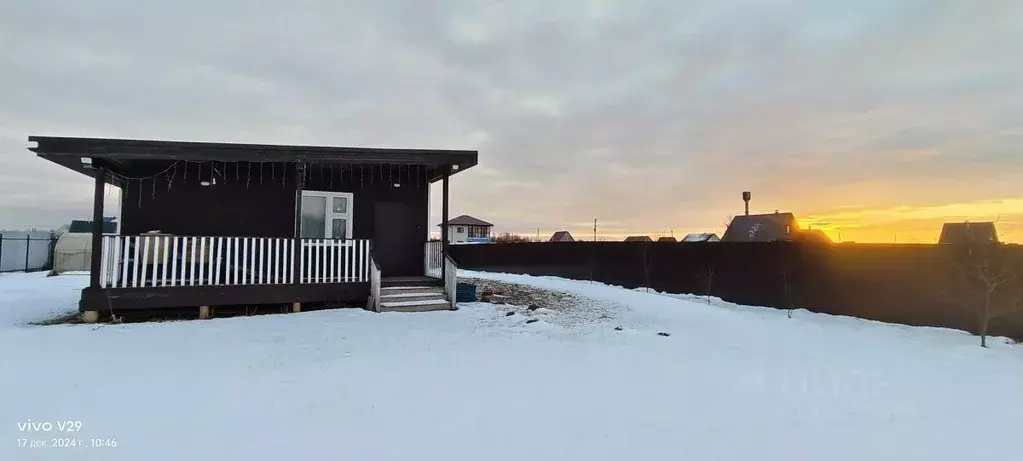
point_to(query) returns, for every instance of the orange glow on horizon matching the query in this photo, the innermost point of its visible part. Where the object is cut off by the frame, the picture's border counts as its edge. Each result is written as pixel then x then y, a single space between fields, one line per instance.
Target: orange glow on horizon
pixel 894 224
pixel 901 224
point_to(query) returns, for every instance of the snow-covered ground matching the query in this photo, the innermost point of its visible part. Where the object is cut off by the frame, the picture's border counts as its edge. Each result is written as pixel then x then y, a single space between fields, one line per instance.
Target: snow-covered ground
pixel 730 383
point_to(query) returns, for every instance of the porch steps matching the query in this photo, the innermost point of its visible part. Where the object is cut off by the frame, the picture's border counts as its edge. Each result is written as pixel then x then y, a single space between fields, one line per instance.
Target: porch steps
pixel 397 289
pixel 412 299
pixel 409 296
pixel 410 282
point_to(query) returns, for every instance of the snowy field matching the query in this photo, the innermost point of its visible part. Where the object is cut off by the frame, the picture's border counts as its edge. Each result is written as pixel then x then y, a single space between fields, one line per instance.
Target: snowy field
pixel 729 383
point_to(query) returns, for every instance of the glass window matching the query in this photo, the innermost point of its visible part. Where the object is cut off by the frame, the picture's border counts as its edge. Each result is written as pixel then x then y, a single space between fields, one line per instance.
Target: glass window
pixel 339 228
pixel 314 216
pixel 459 229
pixel 326 215
pixel 340 204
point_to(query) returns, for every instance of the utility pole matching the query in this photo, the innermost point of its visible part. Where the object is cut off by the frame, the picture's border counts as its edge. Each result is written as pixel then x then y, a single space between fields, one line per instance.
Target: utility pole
pixel 594 229
pixel 537 234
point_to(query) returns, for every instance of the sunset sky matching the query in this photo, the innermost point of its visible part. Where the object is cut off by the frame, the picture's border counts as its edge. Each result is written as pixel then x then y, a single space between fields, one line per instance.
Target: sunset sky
pixel 874 120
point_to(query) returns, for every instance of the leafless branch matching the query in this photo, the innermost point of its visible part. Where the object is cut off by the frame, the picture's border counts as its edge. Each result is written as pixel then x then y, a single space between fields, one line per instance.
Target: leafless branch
pixel 986 274
pixel 707 280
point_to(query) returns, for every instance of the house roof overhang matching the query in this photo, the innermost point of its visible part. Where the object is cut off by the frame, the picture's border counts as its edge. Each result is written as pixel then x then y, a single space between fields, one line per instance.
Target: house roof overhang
pixel 121 155
pixel 466 220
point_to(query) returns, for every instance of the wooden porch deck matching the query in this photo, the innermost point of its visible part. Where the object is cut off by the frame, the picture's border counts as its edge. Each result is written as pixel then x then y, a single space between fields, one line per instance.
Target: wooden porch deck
pixel 190 272
pixel 138 298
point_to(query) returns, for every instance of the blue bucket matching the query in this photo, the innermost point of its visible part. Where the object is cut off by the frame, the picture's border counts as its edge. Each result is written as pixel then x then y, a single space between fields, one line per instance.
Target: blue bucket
pixel 465 293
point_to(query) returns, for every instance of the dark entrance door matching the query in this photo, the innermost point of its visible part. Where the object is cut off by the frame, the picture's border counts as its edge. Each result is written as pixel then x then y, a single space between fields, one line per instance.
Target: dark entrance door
pixel 397 240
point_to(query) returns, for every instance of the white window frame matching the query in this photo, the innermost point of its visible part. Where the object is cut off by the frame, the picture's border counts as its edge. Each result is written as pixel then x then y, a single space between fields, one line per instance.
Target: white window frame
pixel 329 213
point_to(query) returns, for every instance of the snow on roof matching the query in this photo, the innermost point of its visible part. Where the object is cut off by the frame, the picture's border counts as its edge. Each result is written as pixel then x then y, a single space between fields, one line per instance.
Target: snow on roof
pixel 768 227
pixel 701 237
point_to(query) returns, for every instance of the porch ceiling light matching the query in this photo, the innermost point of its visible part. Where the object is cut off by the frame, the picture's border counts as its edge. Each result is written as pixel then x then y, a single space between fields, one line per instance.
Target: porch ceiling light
pixel 87 162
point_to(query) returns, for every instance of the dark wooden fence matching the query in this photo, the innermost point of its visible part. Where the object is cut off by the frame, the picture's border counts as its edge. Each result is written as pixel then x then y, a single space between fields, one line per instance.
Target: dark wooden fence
pixel 907 284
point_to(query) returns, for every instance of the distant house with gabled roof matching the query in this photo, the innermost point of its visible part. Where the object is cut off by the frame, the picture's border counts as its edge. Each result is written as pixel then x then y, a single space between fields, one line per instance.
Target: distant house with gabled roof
pixel 467 229
pixel 638 238
pixel 667 240
pixel 771 227
pixel 561 236
pixel 968 232
pixel 813 235
pixel 701 237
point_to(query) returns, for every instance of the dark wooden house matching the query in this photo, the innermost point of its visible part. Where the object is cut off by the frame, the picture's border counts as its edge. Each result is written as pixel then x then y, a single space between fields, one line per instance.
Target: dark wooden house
pixel 561 237
pixel 813 236
pixel 214 224
pixel 770 227
pixel 968 233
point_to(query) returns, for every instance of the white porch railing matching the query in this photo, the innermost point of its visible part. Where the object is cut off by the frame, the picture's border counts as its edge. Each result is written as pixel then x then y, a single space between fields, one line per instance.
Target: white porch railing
pixel 451 281
pixel 433 259
pixel 162 260
pixel 439 265
pixel 374 285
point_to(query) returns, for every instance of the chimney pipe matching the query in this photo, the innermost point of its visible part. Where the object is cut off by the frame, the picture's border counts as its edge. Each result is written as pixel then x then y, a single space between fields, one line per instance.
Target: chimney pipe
pixel 745 198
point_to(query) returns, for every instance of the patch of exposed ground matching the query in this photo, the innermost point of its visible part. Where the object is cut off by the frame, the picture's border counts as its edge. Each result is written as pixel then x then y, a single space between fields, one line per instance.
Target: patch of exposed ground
pixel 532 303
pixel 70 318
pixel 566 309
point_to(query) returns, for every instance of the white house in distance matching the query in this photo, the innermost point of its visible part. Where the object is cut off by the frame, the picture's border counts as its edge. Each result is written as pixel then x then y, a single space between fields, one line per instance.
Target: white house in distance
pixel 702 237
pixel 467 229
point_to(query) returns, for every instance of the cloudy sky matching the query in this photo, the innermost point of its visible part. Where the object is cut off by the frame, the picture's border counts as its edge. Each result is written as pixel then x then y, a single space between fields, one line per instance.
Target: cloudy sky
pixel 876 119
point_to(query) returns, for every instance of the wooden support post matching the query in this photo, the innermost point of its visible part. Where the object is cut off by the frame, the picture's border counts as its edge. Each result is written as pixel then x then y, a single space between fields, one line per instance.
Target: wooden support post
pixel 90 316
pixel 444 221
pixel 97 227
pixel 296 307
pixel 295 255
pixel 204 312
pixel 28 248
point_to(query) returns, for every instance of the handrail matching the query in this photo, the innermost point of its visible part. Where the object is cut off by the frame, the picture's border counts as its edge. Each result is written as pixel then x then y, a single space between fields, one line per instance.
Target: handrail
pixel 154 260
pixel 374 283
pixel 451 280
pixel 149 234
pixel 432 260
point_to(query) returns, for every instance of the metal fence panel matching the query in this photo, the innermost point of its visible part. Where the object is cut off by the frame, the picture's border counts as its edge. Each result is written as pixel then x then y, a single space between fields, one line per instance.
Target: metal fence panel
pixel 25 250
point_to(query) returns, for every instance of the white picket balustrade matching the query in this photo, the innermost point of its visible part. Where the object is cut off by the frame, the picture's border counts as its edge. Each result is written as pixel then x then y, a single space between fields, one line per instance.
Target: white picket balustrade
pixel 138 261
